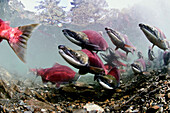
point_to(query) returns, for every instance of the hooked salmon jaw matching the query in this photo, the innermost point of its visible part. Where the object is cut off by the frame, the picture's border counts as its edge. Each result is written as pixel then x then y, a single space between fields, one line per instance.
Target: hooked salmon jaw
pixel 150 32
pixel 136 68
pixel 106 86
pixel 71 56
pixel 70 35
pixel 106 81
pixel 114 35
pixel 76 37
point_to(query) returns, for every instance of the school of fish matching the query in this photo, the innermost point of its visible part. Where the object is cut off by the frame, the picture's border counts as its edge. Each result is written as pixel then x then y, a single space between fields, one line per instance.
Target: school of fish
pixel 86 59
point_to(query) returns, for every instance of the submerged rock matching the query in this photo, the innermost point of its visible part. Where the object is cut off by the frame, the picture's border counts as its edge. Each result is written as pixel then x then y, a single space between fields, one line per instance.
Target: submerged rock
pixel 79 90
pixel 36 104
pixel 90 107
pixel 144 93
pixel 80 111
pixel 4 74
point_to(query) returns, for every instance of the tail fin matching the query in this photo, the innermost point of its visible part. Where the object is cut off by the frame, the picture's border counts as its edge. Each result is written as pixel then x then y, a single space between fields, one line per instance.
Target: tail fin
pixel 33 71
pixel 145 73
pixel 104 57
pixel 119 63
pixel 21 45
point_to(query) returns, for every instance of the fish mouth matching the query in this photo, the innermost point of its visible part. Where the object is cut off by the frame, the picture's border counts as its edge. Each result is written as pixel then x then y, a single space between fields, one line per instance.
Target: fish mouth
pixel 115 36
pixel 148 30
pixel 106 83
pixel 76 37
pixel 136 68
pixel 73 57
pixel 69 32
pixel 115 33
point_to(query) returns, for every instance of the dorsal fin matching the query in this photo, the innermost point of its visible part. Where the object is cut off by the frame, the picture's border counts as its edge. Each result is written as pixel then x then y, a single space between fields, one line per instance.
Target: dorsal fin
pixel 56 65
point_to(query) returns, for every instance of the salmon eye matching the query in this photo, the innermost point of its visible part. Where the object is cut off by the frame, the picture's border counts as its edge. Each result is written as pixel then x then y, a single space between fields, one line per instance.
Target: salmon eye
pixel 76 54
pixel 110 81
pixel 79 35
pixel 86 39
pixel 82 59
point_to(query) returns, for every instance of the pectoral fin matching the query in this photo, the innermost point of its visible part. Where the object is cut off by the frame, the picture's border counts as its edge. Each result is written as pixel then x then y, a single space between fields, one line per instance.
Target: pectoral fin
pixel 97 69
pixel 92 46
pixel 152 46
pixel 83 71
pixel 116 48
pixel 96 76
pixel 130 46
pixel 127 53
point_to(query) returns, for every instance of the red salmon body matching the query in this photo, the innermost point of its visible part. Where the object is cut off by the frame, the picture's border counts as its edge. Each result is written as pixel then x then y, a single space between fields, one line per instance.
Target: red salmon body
pixel 57 74
pixel 87 39
pixel 96 39
pixel 94 59
pixel 9 33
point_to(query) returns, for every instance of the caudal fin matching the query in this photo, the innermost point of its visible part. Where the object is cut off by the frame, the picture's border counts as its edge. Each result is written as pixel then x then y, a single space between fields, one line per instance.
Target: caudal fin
pixel 33 71
pixel 20 46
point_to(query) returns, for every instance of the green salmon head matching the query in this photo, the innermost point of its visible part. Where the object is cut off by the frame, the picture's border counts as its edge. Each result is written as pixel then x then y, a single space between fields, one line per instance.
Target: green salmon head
pixel 73 57
pixel 77 38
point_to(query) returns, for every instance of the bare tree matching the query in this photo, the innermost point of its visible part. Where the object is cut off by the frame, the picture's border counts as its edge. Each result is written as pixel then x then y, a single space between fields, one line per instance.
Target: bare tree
pixel 87 11
pixel 50 12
